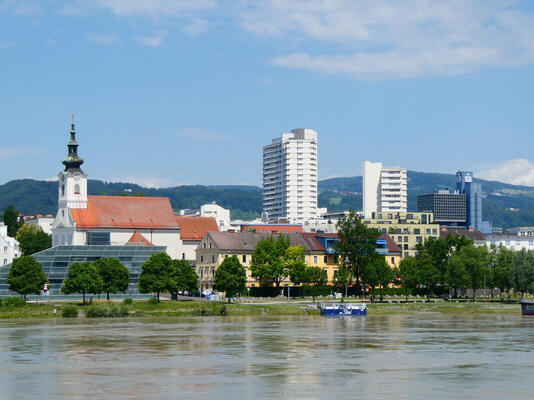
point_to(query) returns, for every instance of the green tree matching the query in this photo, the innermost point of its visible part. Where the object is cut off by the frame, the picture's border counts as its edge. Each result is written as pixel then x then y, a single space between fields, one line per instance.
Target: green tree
pixel 268 260
pixel 11 219
pixel 185 275
pixel 379 274
pixel 357 244
pixel 342 279
pixel 407 274
pixel 115 275
pixel 296 264
pixel 230 277
pixel 501 269
pixel 522 274
pixel 26 276
pixel 456 274
pixel 32 239
pixel 157 275
pixel 83 278
pixel 316 277
pixel 474 261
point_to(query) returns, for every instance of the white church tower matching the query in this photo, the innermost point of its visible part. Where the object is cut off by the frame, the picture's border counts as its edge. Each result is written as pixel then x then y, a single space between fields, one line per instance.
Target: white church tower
pixel 72 193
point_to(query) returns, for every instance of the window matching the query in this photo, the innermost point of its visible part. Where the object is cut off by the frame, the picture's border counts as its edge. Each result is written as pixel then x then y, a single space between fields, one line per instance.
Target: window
pixel 213 258
pixel 393 260
pixel 419 239
pixel 201 259
pixel 315 259
pixel 183 256
pixel 63 190
pixel 244 258
pixel 405 238
pixel 5 261
pixel 76 189
pixel 417 231
pixel 204 245
pixel 428 231
pixel 5 248
pixel 210 245
pixel 405 247
pixel 325 259
pixel 336 259
pixel 98 238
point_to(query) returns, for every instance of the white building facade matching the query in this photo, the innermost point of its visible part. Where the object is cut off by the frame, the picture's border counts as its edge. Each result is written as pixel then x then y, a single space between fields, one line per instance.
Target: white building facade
pixel 290 177
pixel 9 247
pixel 384 189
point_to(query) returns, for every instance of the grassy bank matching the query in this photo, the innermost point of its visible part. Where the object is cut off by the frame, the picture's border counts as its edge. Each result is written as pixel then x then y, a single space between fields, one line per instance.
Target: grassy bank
pixel 204 308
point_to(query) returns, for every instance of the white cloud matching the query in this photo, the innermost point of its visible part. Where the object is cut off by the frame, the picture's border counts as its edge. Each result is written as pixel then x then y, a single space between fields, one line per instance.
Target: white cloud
pixel 102 38
pixel 515 172
pixel 145 181
pixel 8 152
pixel 155 8
pixel 152 41
pixel 398 39
pixel 202 134
pixel 196 27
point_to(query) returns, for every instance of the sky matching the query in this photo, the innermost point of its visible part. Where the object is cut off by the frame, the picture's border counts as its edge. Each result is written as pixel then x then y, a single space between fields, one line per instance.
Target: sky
pixel 171 92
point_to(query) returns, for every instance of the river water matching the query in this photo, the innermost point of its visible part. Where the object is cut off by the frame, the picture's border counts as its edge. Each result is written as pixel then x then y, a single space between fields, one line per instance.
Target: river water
pixel 407 356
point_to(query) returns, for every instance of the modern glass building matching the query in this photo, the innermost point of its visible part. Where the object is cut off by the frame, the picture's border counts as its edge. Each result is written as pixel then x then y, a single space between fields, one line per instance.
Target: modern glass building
pixel 473 192
pixel 57 260
pixel 449 209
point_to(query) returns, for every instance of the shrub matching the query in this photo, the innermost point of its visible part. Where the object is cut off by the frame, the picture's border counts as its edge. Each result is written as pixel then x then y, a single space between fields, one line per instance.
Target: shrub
pixel 127 300
pixel 70 311
pixel 153 300
pixel 107 310
pixel 96 311
pixel 13 302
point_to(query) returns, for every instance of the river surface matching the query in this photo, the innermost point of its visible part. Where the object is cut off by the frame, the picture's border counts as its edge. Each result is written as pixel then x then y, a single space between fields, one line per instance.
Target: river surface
pixel 408 356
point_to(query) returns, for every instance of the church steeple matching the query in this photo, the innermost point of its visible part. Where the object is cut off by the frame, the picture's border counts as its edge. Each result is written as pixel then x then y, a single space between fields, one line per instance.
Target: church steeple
pixel 72 162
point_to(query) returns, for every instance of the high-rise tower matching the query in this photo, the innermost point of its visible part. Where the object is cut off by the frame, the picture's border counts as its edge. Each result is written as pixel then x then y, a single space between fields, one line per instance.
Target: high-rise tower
pixel 384 189
pixel 290 177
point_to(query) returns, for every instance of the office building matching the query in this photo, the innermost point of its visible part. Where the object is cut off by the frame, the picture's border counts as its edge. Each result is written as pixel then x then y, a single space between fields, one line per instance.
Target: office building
pixel 9 246
pixel 449 208
pixel 473 192
pixel 384 189
pixel 290 177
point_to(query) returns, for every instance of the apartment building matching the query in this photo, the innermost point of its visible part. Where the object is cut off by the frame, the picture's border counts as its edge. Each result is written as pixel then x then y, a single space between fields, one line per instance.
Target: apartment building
pixel 290 177
pixel 384 189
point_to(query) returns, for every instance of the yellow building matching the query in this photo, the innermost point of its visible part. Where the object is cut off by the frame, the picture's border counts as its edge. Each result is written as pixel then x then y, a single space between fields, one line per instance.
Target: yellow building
pixel 405 228
pixel 318 252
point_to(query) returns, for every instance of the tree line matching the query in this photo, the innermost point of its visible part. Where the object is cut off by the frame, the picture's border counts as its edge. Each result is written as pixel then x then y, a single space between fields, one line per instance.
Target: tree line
pixel 159 274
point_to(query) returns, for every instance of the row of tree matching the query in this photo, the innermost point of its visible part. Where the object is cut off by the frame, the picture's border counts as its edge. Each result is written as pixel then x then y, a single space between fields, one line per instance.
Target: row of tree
pixel 455 262
pixel 160 273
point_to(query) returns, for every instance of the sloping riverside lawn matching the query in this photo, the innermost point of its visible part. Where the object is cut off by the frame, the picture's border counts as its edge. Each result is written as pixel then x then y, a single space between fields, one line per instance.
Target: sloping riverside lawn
pixel 205 308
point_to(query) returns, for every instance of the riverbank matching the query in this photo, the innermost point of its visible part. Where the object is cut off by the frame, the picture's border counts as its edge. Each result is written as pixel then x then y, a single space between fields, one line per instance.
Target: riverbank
pixel 205 308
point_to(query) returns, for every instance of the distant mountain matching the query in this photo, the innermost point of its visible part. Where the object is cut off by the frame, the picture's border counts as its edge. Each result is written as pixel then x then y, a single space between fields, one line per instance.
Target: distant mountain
pixel 504 204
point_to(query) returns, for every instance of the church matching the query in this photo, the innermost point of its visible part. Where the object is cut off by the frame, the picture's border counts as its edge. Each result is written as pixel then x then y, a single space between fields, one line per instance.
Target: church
pixel 109 220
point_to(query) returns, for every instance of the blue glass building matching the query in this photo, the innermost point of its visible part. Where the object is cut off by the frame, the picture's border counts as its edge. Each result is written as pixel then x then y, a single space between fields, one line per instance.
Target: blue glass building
pixel 473 192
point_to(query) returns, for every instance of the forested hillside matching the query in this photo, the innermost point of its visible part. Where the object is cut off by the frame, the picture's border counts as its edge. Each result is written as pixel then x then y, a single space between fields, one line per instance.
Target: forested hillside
pixel 505 205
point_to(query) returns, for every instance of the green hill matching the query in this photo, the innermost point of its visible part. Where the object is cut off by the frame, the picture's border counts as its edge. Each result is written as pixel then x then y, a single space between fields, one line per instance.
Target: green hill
pixel 505 205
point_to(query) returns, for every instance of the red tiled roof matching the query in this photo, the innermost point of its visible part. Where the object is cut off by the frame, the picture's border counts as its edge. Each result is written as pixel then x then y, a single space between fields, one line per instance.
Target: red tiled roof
pixel 194 228
pixel 125 212
pixel 392 246
pixel 137 238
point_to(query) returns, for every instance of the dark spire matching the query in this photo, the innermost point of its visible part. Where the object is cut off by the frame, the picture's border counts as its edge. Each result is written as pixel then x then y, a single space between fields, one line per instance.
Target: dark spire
pixel 72 162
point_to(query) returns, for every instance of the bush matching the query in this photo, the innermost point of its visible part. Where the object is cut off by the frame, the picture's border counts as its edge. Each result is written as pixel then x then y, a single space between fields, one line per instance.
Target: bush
pixel 107 310
pixel 13 302
pixel 70 311
pixel 153 300
pixel 127 300
pixel 96 311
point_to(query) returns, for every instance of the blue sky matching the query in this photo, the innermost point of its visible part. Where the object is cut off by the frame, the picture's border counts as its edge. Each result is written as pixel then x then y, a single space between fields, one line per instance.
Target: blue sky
pixel 170 92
